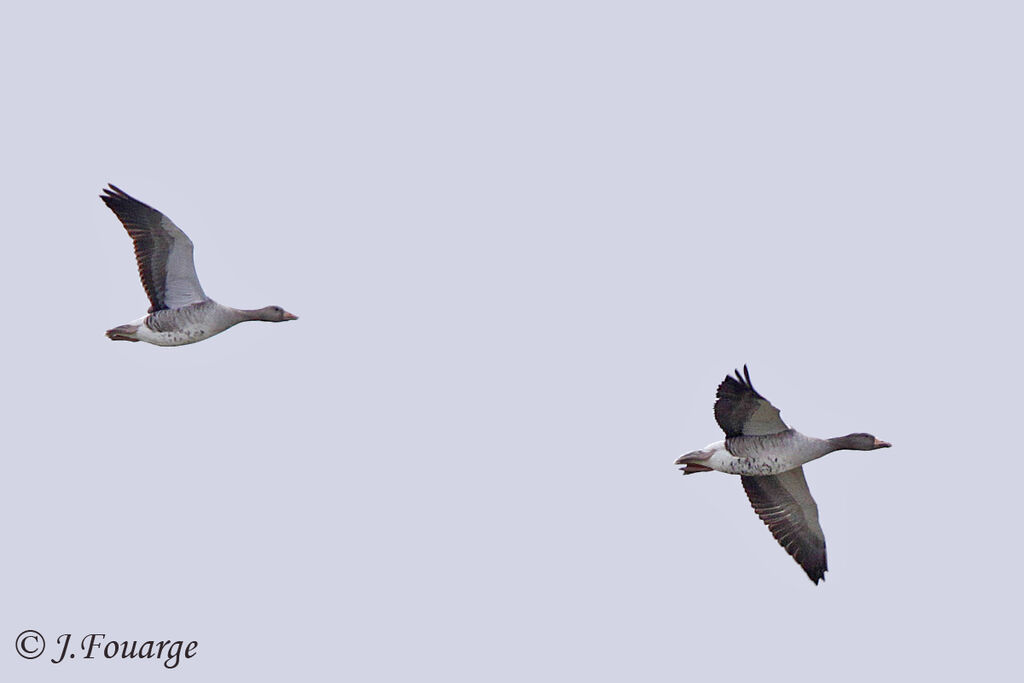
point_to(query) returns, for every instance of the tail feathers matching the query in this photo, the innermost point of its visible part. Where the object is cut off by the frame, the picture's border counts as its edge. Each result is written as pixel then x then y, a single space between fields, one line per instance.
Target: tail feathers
pixel 124 333
pixel 692 462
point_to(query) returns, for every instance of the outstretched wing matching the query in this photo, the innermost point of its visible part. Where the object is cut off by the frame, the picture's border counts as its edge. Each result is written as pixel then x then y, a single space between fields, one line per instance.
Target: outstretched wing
pixel 741 411
pixel 784 503
pixel 162 250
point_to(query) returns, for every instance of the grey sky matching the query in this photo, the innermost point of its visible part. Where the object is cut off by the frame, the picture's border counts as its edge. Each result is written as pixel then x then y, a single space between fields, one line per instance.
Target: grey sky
pixel 525 245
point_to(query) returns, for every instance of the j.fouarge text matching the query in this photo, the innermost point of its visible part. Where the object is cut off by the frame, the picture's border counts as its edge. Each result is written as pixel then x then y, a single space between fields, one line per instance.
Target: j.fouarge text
pixel 94 645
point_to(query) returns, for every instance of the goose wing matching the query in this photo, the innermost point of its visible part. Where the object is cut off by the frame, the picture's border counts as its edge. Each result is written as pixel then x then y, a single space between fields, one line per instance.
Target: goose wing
pixel 784 503
pixel 162 250
pixel 741 411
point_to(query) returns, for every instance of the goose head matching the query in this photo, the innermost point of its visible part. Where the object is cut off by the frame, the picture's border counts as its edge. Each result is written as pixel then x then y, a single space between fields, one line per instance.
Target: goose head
pixel 859 442
pixel 274 314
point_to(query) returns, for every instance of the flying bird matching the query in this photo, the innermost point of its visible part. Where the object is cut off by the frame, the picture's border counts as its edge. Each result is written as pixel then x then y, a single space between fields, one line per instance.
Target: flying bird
pixel 769 458
pixel 180 312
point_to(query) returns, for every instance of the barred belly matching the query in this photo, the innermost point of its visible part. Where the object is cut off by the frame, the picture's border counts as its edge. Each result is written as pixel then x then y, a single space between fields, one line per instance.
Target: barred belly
pixel 770 453
pixel 180 326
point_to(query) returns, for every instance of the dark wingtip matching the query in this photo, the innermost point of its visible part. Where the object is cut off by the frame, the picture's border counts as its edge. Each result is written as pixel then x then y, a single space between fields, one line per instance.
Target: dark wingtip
pixel 112 191
pixel 743 378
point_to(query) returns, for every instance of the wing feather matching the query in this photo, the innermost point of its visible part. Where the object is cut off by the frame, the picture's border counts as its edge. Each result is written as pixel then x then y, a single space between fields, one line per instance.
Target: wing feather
pixel 741 411
pixel 163 252
pixel 784 504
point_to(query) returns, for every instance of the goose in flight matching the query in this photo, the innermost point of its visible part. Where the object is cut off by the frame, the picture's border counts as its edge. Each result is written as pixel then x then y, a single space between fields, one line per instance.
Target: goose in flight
pixel 180 312
pixel 769 458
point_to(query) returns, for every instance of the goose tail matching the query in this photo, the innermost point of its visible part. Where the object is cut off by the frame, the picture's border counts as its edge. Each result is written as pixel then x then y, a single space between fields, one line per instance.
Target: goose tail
pixel 692 462
pixel 124 333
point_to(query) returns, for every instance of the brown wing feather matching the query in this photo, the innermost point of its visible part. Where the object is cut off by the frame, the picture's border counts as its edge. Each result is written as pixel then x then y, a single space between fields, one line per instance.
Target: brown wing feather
pixel 152 244
pixel 741 411
pixel 162 251
pixel 784 504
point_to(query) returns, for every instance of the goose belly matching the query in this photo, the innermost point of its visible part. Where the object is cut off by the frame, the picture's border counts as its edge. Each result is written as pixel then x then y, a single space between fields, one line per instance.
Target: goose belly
pixel 175 338
pixel 757 467
pixel 762 463
pixel 164 328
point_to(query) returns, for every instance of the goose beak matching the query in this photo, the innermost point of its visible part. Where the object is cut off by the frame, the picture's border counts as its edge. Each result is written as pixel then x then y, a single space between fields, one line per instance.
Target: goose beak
pixel 882 444
pixel 289 316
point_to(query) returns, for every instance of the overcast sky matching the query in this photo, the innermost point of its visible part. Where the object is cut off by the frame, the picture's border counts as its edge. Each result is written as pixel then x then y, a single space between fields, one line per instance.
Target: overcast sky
pixel 525 244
